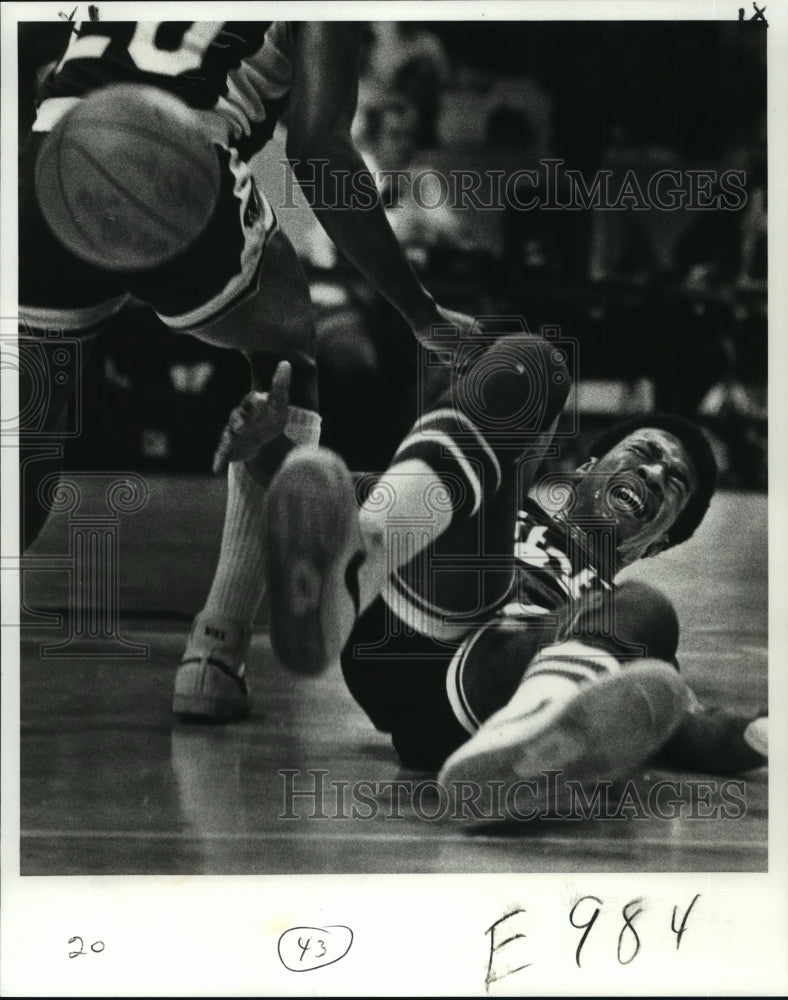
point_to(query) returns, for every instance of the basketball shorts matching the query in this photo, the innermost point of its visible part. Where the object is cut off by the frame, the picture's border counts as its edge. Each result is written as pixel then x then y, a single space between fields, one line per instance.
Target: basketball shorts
pixel 429 695
pixel 58 290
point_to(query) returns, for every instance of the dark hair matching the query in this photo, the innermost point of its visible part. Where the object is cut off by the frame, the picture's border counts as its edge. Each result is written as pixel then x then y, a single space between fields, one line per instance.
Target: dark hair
pixel 699 450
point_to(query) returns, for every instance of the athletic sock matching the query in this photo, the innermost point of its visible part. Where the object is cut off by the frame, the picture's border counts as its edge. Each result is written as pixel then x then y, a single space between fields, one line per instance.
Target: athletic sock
pixel 303 426
pixel 237 587
pixel 239 582
pixel 554 676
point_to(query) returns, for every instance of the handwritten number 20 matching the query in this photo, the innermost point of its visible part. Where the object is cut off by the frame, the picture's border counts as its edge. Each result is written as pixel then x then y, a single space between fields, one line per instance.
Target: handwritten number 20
pixel 97 947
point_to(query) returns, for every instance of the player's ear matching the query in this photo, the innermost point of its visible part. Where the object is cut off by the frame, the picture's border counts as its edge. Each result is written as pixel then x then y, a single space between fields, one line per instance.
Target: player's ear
pixel 587 466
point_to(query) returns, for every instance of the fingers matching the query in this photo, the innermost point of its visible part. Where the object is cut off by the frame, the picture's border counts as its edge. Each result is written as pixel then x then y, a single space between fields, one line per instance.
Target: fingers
pixel 236 430
pixel 280 385
pixel 248 405
pixel 257 420
pixel 221 458
pixel 239 418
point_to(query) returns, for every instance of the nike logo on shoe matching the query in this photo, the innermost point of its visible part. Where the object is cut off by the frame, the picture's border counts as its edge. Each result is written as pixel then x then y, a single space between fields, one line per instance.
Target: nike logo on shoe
pixel 215 633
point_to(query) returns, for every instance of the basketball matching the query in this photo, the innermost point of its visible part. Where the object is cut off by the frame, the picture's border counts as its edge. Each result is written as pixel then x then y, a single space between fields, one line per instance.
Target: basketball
pixel 127 179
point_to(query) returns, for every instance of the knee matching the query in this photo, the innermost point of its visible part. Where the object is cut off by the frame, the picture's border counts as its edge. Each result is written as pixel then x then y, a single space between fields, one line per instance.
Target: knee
pixel 493 664
pixel 519 383
pixel 644 616
pixel 544 364
pixel 635 619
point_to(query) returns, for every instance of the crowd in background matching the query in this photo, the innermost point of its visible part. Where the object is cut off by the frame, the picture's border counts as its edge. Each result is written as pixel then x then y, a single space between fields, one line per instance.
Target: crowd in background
pixel 668 309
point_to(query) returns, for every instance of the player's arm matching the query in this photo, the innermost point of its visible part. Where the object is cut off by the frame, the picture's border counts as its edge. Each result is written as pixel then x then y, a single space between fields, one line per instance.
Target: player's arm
pixel 322 106
pixel 716 741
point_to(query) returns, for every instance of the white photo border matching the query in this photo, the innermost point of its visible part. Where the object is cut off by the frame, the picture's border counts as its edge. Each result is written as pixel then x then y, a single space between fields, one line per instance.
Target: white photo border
pixel 413 935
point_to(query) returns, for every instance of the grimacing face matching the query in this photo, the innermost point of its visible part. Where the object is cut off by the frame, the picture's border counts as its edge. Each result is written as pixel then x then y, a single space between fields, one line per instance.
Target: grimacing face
pixel 643 483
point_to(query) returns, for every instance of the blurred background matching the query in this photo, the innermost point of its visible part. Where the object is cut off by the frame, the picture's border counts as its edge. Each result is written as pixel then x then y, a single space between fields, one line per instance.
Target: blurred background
pixel 668 308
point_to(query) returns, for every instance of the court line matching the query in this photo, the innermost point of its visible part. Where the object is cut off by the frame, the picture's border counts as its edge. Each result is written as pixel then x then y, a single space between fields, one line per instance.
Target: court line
pixel 402 837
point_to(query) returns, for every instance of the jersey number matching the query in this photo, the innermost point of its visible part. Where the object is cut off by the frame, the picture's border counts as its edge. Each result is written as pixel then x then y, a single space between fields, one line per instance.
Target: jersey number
pixel 143 51
pixel 533 551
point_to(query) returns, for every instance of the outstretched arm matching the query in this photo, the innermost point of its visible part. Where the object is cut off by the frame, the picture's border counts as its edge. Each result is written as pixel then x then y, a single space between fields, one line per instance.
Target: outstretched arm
pixel 322 106
pixel 717 741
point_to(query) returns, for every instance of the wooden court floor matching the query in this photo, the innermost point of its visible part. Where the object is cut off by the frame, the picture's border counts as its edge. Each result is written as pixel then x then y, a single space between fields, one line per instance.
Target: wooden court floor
pixel 111 784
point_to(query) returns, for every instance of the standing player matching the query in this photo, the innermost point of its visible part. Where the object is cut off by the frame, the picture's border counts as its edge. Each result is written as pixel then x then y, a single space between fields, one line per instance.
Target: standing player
pixel 489 661
pixel 239 285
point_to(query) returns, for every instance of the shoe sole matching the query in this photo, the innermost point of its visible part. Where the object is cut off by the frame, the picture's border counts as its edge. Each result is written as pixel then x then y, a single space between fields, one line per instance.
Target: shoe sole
pixel 194 704
pixel 203 708
pixel 604 733
pixel 310 524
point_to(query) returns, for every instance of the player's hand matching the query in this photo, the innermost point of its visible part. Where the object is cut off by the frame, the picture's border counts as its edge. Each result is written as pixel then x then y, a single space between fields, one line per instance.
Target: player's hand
pixel 467 326
pixel 258 419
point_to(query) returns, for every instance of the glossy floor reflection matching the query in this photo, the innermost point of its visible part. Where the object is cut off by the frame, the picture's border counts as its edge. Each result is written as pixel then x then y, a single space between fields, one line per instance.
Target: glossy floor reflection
pixel 112 785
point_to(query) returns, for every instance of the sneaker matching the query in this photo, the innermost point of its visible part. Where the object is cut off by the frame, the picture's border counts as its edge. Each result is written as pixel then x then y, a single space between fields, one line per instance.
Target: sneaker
pixel 210 684
pixel 601 732
pixel 314 549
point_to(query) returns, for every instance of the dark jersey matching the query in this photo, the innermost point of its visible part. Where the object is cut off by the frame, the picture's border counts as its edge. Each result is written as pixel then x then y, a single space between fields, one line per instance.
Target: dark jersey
pixel 468 576
pixel 496 551
pixel 429 686
pixel 557 563
pixel 241 70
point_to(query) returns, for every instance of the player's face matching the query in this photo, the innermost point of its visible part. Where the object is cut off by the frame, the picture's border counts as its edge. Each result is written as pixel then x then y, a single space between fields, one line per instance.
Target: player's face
pixel 644 483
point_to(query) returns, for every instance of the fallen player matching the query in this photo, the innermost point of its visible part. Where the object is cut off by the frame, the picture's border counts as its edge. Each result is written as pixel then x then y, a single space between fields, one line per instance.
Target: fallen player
pixel 487 660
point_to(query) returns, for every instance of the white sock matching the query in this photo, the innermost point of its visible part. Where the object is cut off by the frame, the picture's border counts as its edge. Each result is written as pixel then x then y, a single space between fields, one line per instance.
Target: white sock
pixel 556 674
pixel 303 426
pixel 239 582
